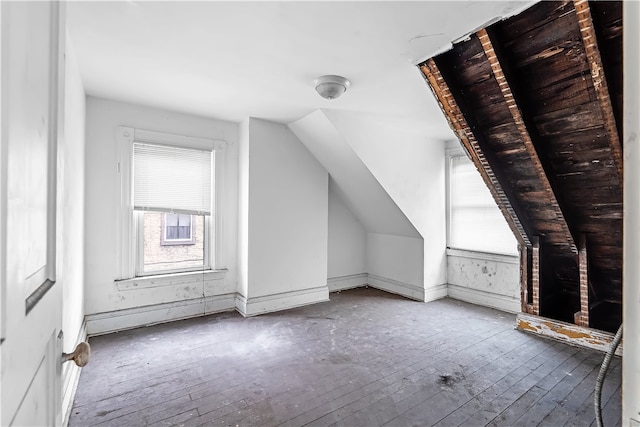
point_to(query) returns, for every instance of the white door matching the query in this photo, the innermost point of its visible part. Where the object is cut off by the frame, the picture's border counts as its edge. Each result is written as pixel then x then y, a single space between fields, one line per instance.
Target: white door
pixel 30 309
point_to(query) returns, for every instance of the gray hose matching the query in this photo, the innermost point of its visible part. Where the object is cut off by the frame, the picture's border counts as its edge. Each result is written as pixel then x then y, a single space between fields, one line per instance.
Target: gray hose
pixel 597 396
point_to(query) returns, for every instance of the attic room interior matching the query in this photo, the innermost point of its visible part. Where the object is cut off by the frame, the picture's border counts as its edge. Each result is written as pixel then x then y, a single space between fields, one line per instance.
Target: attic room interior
pixel 320 213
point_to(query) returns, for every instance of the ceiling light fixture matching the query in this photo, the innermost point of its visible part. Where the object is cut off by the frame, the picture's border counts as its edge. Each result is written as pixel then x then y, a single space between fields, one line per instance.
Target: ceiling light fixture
pixel 331 87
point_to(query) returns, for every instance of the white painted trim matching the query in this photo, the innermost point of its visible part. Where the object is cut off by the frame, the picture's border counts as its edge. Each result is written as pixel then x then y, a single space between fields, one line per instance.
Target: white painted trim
pixel 435 292
pixel 70 378
pixel 484 298
pixel 127 226
pixel 4 175
pixel 126 223
pixel 484 256
pixel 141 135
pixel 215 250
pixel 567 332
pixel 169 279
pixel 56 130
pixel 631 226
pixel 113 321
pixel 347 282
pixel 400 288
pixel 253 306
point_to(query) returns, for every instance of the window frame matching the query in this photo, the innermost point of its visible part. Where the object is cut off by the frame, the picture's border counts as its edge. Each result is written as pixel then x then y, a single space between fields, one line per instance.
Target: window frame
pixel 179 242
pixel 206 263
pixel 129 241
pixel 455 150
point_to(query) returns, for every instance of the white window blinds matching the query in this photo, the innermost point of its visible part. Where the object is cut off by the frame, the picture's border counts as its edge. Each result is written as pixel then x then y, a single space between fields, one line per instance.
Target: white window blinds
pixel 171 179
pixel 476 222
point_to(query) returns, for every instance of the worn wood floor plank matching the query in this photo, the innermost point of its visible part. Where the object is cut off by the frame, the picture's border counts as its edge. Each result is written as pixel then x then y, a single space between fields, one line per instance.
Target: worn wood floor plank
pixel 366 358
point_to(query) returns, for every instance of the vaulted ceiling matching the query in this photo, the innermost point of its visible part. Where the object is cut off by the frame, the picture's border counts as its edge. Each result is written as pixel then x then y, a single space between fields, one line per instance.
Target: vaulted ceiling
pixel 537 102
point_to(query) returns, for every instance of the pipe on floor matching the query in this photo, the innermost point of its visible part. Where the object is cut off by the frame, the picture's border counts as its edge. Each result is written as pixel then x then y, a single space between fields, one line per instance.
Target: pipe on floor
pixel 597 396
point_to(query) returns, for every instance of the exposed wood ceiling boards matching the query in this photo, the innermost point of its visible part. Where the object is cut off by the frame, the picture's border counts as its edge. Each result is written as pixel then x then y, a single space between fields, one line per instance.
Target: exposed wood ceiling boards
pixel 590 42
pixel 524 135
pixel 540 96
pixel 476 90
pixel 607 20
pixel 561 100
pixel 461 128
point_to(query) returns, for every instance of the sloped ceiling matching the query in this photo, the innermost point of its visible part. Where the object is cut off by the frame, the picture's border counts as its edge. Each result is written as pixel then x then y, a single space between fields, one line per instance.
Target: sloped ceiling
pixel 354 182
pixel 537 102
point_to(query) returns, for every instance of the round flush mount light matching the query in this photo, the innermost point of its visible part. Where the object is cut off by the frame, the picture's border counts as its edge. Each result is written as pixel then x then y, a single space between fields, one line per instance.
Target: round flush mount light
pixel 331 87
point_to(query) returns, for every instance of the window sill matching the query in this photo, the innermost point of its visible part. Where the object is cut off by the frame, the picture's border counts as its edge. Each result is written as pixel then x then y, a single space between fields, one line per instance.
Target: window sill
pixel 169 279
pixel 485 256
pixel 177 243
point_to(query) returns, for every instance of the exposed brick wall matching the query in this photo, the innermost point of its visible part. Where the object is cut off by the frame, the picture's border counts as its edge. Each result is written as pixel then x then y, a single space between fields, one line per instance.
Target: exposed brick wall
pixel 584 283
pixel 524 275
pixel 162 257
pixel 535 274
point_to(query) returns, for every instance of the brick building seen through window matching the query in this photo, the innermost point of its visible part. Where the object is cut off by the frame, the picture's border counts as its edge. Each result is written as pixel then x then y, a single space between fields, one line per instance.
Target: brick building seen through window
pixel 173 241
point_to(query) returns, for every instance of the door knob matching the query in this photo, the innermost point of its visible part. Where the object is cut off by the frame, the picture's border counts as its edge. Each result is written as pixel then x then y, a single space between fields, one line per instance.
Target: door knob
pixel 80 355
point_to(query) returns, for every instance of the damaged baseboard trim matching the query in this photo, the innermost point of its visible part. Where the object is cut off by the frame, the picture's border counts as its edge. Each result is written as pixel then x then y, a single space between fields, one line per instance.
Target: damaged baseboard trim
pixel 566 332
pixel 113 321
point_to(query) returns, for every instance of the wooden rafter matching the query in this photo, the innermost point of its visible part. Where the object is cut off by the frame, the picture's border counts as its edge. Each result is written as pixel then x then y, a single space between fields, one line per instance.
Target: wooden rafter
pixel 459 125
pixel 516 114
pixel 590 42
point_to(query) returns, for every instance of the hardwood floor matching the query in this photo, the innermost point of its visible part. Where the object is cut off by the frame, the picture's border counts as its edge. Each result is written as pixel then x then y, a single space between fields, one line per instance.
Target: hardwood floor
pixel 366 358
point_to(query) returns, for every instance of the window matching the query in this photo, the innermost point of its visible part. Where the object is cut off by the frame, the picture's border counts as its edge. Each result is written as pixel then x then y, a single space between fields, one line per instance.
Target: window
pixel 475 221
pixel 176 179
pixel 177 229
pixel 168 201
pixel 172 242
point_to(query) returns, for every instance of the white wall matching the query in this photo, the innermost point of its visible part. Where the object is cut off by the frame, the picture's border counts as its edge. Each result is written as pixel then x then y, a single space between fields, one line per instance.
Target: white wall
pixel 631 272
pixel 395 264
pixel 70 217
pixel 347 264
pixel 484 279
pixel 71 151
pixel 243 208
pixel 411 168
pixel 479 277
pixel 387 227
pixel 103 117
pixel 285 246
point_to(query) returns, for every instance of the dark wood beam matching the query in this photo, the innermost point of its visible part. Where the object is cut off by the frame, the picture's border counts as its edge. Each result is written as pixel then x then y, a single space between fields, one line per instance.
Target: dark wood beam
pixel 590 42
pixel 516 114
pixel 461 128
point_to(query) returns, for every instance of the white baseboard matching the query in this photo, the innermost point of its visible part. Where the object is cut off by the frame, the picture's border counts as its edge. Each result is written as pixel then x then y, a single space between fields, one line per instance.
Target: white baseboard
pixel 396 287
pixel 435 292
pixel 350 281
pixel 484 298
pixel 70 378
pixel 119 320
pixel 253 306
